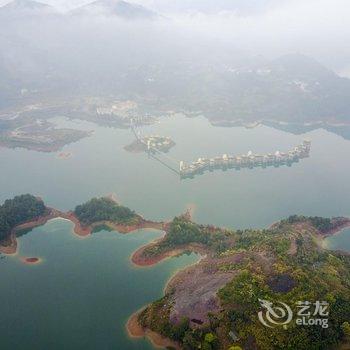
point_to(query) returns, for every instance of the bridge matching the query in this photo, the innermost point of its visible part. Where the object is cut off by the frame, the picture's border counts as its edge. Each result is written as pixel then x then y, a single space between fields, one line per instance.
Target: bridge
pixel 249 160
pixel 155 153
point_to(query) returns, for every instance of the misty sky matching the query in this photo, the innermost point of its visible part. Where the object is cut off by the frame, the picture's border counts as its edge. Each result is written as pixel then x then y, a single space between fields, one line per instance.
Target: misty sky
pixel 319 28
pixel 209 6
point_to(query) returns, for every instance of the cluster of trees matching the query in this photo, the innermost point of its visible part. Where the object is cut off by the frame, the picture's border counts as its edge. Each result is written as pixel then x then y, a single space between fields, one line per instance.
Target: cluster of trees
pixel 183 231
pixel 156 317
pixel 316 275
pixel 103 209
pixel 322 224
pixel 19 210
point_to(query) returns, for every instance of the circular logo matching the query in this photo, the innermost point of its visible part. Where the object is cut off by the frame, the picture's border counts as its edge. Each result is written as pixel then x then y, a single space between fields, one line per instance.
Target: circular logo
pixel 272 316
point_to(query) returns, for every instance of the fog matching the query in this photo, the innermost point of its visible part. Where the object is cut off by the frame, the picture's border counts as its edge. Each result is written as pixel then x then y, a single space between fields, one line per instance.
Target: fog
pixel 98 49
pixel 319 28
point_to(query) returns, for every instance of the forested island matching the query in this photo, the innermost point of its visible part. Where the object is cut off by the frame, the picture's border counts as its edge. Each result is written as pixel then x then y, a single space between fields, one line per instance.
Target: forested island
pixel 19 210
pixel 23 213
pixel 105 212
pixel 214 304
pixel 101 209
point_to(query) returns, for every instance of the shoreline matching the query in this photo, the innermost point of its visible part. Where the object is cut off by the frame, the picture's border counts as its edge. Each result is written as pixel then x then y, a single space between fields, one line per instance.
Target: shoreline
pixel 31 260
pixel 12 247
pixel 323 240
pixel 139 260
pixel 135 331
pixel 338 229
pixel 9 246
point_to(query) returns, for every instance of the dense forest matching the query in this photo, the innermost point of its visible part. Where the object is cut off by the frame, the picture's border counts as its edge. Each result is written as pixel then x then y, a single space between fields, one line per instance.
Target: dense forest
pixel 182 231
pixel 19 210
pixel 103 209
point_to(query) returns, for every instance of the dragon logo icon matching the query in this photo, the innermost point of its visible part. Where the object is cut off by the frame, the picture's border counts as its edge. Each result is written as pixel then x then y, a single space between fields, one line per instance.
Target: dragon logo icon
pixel 273 316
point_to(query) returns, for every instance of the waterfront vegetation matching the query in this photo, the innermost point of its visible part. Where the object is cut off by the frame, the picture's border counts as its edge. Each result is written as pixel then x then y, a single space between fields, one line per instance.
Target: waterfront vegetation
pixel 19 210
pixel 182 231
pixel 103 209
pixel 283 263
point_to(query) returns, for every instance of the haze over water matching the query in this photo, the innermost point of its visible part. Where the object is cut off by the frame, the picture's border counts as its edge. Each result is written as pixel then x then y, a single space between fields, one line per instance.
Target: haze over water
pixel 250 197
pixel 85 289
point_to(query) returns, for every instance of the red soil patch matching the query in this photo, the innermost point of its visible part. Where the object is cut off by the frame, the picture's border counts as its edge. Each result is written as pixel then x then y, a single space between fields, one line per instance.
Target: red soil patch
pixel 339 226
pixel 135 330
pixel 83 230
pixel 78 229
pixel 140 259
pixel 9 246
pixel 31 260
pixel 141 224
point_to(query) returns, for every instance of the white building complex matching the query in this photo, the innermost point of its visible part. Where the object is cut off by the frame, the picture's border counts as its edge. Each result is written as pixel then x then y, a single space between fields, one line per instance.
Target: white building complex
pixel 249 160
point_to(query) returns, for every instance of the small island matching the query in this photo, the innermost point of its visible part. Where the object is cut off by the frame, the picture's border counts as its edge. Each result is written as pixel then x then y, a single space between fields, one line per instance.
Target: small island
pixel 15 213
pixel 152 144
pixel 31 260
pixel 29 132
pixel 64 155
pixel 105 212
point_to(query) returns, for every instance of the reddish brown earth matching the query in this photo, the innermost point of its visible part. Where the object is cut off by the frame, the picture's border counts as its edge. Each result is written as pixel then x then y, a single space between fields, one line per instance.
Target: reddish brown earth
pixel 136 331
pixel 194 290
pixel 31 260
pixel 78 229
pixel 140 259
pixel 85 230
pixel 339 225
pixel 9 246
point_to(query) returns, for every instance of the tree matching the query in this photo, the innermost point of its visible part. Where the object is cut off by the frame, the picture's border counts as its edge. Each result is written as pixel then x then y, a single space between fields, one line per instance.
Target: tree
pixel 18 210
pixel 346 329
pixel 101 209
pixel 209 337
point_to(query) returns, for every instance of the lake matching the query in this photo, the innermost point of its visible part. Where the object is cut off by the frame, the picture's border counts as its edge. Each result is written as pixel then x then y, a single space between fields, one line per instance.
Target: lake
pixel 83 292
pixel 85 289
pixel 340 241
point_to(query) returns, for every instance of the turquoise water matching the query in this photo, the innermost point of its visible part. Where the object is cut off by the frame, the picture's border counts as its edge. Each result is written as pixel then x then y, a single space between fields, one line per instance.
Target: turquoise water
pixel 340 241
pixel 82 294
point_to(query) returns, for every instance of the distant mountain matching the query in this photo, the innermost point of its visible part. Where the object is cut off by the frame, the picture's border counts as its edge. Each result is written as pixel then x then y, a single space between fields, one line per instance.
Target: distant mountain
pixel 293 88
pixel 25 8
pixel 118 8
pixel 297 65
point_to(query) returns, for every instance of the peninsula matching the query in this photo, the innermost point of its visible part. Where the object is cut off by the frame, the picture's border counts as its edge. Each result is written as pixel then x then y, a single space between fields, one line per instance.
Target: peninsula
pixel 214 304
